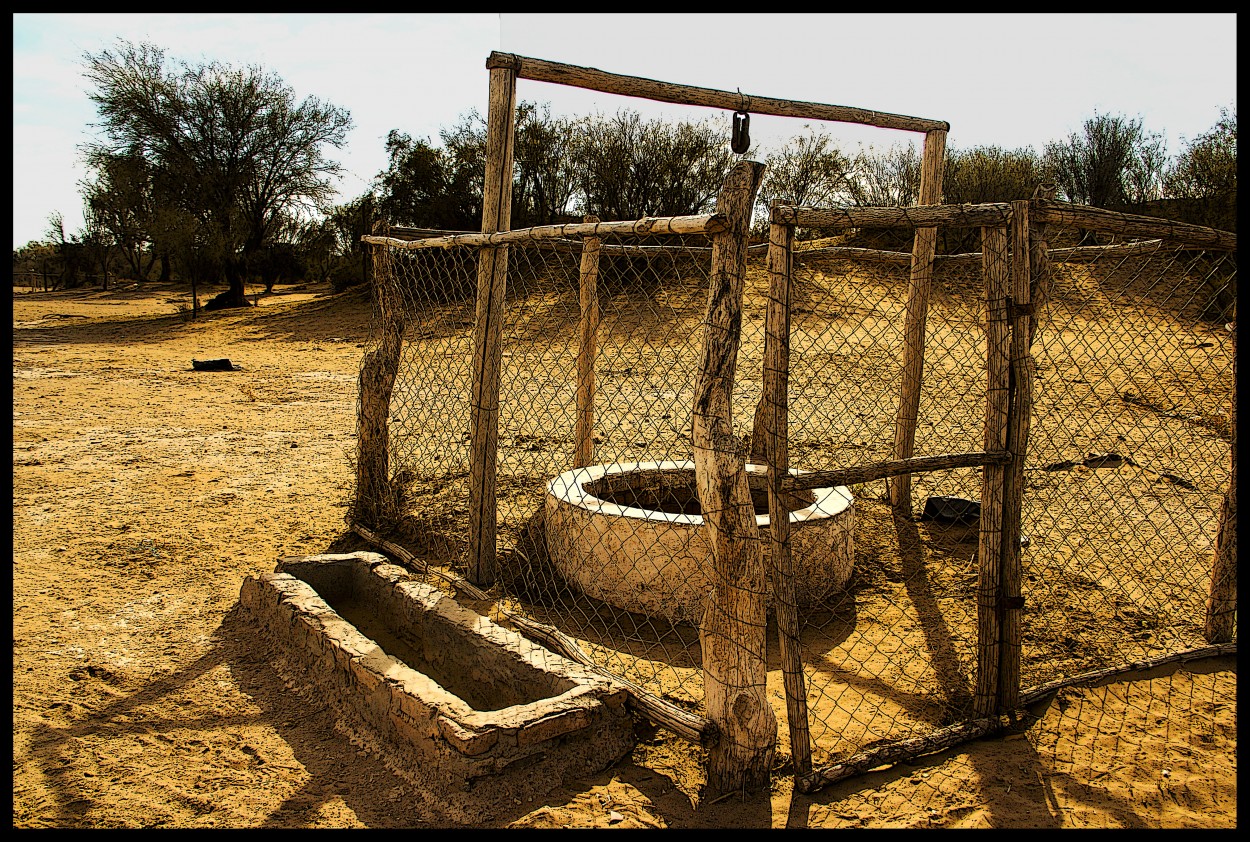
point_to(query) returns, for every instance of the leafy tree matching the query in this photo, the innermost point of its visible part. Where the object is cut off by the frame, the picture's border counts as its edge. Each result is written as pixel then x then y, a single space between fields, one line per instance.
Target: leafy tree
pixel 232 145
pixel 1111 163
pixel 631 168
pixel 121 201
pixel 985 174
pixel 38 261
pixel 97 241
pixel 990 174
pixel 1204 176
pixel 810 171
pixel 886 179
pixel 69 250
pixel 546 170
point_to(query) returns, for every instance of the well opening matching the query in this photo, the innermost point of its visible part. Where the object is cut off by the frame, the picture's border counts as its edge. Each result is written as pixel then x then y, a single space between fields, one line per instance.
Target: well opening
pixel 676 492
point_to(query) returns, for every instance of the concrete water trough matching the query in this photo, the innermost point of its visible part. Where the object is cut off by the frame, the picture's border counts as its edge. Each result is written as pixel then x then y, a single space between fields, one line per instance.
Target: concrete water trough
pixel 469 711
pixel 631 534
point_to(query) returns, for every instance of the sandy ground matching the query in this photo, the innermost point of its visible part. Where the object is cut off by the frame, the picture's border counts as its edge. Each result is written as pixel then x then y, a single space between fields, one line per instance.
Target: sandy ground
pixel 144 492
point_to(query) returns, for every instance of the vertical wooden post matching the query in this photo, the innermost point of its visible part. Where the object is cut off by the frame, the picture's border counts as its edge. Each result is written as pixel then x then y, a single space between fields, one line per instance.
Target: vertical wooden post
pixel 584 451
pixel 1039 264
pixel 377 380
pixel 1222 600
pixel 777 451
pixel 732 633
pixel 1018 422
pixel 923 247
pixel 995 269
pixel 492 274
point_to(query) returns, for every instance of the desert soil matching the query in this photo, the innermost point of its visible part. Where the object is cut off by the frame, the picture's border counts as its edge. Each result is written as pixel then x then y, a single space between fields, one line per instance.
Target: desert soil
pixel 144 492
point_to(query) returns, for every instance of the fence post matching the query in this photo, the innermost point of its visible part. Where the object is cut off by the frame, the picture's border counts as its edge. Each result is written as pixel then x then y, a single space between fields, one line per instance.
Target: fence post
pixel 1222 600
pixel 1039 263
pixel 732 632
pixel 923 247
pixel 374 497
pixel 777 453
pixel 492 276
pixel 994 267
pixel 584 451
pixel 1020 312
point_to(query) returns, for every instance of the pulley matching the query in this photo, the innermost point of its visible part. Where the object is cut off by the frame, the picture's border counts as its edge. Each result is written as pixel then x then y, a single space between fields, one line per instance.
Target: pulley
pixel 741 140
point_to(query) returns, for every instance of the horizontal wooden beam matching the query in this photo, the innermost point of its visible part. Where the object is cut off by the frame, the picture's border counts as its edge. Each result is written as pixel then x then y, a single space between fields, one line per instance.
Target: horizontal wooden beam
pixel 892 468
pixel 590 78
pixel 703 224
pixel 903 258
pixel 991 215
pixel 1130 224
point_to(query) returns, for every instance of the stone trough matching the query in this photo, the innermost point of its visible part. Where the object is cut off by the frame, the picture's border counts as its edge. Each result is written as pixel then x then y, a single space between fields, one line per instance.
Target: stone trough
pixel 631 534
pixel 470 712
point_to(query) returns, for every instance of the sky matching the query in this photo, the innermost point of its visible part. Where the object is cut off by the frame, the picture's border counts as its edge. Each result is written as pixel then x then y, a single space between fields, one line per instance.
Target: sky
pixel 1006 80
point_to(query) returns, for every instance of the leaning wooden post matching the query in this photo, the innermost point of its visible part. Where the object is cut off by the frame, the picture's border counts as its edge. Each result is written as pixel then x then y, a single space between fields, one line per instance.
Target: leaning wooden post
pixel 732 632
pixel 584 450
pixel 781 568
pixel 1020 313
pixel 995 271
pixel 374 501
pixel 1222 601
pixel 492 274
pixel 923 247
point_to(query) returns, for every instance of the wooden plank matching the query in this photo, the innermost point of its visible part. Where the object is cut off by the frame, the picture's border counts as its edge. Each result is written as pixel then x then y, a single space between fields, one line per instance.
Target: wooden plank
pixel 651 225
pixel 488 328
pixel 893 468
pixel 961 732
pixel 1018 422
pixel 684 724
pixel 903 258
pixel 732 633
pixel 636 86
pixel 781 568
pixel 925 245
pixel 1132 225
pixel 588 328
pixel 378 370
pixel 996 271
pixel 946 216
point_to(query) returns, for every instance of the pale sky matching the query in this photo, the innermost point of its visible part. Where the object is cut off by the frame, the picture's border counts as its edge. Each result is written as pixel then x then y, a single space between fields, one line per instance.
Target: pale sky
pixel 1007 80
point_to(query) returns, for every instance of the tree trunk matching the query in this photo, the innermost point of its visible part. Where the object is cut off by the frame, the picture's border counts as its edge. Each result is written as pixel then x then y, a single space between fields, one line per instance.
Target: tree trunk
pixel 732 633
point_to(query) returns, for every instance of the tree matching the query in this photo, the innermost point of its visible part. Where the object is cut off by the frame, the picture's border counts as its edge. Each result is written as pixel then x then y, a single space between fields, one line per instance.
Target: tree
pixel 1111 163
pixel 985 174
pixel 232 146
pixel 886 179
pixel 120 199
pixel 546 170
pixel 1204 175
pixel 69 251
pixel 809 170
pixel 631 168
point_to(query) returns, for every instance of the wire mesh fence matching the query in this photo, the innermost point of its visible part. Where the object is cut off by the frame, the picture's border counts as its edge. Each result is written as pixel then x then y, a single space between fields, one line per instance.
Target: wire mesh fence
pixel 601 542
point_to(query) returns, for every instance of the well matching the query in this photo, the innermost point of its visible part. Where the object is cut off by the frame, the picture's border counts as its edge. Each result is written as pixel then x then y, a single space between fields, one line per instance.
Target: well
pixel 631 534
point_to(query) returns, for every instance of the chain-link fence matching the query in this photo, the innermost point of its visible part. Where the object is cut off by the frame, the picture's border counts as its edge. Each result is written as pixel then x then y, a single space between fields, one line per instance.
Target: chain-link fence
pixel 590 457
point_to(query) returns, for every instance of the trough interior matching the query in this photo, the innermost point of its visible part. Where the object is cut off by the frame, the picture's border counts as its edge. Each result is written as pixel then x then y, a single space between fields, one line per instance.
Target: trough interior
pixel 485 676
pixel 676 492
